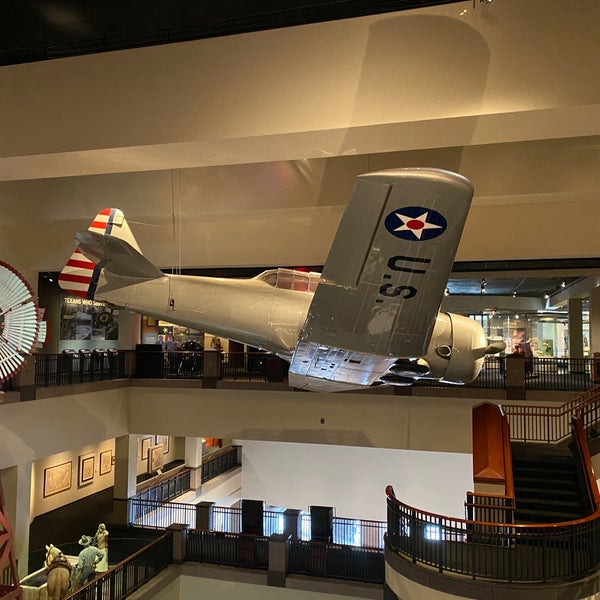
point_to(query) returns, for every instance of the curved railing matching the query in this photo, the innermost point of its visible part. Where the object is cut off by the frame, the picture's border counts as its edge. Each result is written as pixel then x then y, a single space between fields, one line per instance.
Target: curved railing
pixel 494 551
pixel 504 551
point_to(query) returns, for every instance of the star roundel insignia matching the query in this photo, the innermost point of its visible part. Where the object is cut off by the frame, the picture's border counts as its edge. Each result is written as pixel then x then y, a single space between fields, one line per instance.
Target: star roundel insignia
pixel 415 223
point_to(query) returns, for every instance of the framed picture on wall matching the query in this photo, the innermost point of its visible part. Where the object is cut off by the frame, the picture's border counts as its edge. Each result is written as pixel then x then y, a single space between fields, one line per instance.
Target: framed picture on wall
pixel 105 462
pixel 146 443
pixel 86 469
pixel 164 440
pixel 57 479
pixel 155 458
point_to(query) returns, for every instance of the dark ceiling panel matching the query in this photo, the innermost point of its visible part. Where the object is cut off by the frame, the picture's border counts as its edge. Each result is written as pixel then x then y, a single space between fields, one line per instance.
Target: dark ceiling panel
pixel 32 30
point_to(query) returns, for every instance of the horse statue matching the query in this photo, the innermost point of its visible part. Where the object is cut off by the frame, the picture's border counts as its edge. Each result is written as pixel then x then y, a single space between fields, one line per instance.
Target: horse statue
pixel 59 573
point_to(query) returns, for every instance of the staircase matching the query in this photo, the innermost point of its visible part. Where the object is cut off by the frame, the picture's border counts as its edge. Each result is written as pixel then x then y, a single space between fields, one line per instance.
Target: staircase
pixel 548 485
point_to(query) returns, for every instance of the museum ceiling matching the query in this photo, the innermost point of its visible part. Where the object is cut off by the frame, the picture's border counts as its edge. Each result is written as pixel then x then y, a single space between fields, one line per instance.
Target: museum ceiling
pixel 512 162
pixel 32 30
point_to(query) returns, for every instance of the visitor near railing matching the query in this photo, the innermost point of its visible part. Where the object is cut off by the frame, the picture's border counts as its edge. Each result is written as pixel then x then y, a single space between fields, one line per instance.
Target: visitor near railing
pixel 129 575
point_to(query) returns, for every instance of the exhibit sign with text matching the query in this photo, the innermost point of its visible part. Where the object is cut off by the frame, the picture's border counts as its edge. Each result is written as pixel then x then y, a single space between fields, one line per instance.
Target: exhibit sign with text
pixel 83 319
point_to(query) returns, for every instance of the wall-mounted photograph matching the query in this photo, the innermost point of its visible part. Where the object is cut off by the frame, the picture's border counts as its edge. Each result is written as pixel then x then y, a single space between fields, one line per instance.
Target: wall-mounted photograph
pixel 86 469
pixel 144 447
pixel 105 462
pixel 155 455
pixel 57 479
pixel 164 440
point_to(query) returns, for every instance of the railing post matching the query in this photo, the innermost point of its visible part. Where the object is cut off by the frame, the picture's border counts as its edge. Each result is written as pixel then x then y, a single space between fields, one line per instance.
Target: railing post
pixel 203 512
pixel 279 557
pixel 179 542
pixel 515 378
pixel 212 368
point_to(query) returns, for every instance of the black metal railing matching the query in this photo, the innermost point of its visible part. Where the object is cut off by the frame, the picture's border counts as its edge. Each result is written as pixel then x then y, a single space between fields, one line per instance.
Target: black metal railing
pixel 147 508
pixel 560 374
pixel 220 462
pixel 494 551
pixel 568 374
pixel 152 514
pixel 244 366
pixel 78 367
pixel 166 490
pixel 233 549
pixel 130 574
pixel 324 559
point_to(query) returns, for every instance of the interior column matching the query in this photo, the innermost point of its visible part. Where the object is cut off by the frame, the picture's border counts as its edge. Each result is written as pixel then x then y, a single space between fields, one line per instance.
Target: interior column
pixel 595 321
pixel 126 448
pixel 575 327
pixel 193 459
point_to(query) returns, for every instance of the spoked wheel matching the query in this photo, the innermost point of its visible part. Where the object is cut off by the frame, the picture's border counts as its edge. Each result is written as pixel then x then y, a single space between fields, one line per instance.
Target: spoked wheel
pixel 19 321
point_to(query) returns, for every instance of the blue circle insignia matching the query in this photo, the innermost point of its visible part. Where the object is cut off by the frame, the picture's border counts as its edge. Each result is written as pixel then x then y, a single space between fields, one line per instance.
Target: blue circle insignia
pixel 415 223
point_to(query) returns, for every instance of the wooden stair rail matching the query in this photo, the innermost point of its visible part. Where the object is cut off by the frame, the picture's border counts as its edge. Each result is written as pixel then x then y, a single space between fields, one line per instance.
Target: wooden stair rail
pixel 494 495
pixel 551 424
pixel 583 450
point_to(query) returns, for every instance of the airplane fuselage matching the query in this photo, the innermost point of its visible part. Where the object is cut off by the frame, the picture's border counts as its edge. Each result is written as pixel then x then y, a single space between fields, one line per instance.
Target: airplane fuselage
pixel 249 311
pixel 258 314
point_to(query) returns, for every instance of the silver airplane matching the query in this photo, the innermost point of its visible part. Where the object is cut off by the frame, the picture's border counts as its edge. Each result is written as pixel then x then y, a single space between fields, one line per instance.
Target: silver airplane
pixel 370 318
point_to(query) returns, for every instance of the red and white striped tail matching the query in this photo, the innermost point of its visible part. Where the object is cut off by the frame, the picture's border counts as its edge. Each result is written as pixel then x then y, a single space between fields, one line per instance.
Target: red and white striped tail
pixel 77 274
pixel 80 274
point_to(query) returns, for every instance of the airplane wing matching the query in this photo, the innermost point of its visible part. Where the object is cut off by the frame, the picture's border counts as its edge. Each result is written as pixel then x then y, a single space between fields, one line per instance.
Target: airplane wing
pixel 385 276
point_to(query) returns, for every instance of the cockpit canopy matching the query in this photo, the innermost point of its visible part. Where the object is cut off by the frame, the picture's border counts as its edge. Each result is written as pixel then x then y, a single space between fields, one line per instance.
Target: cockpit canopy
pixel 290 279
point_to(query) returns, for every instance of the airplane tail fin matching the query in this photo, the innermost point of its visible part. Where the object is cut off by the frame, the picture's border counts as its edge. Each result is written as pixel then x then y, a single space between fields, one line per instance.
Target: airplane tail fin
pixel 108 244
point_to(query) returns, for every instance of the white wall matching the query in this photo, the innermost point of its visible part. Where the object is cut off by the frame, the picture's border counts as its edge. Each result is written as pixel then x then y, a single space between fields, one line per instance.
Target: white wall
pixel 352 479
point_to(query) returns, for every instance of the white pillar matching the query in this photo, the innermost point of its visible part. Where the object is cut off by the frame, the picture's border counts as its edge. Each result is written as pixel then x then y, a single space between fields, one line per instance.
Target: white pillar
pixel 126 447
pixel 130 329
pixel 193 459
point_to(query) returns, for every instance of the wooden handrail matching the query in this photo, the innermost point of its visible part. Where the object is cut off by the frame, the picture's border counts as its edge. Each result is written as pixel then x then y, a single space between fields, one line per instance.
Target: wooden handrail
pixel 586 460
pixel 539 417
pixel 434 517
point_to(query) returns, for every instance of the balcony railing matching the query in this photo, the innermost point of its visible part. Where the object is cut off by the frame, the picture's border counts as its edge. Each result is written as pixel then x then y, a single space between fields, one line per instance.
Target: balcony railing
pixel 78 367
pixel 130 574
pixel 220 462
pixel 494 551
pixel 560 374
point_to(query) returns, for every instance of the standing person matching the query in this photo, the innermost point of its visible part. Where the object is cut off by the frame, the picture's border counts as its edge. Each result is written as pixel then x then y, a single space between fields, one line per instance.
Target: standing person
pixel 171 354
pixel 102 545
pixel 88 558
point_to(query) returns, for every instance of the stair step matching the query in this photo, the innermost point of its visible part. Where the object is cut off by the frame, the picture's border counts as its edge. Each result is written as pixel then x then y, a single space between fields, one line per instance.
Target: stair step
pixel 545 493
pixel 543 468
pixel 546 516
pixel 546 483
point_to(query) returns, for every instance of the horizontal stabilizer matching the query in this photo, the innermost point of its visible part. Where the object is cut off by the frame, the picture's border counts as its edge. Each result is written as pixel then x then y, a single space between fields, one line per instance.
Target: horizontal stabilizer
pixel 116 256
pixel 108 244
